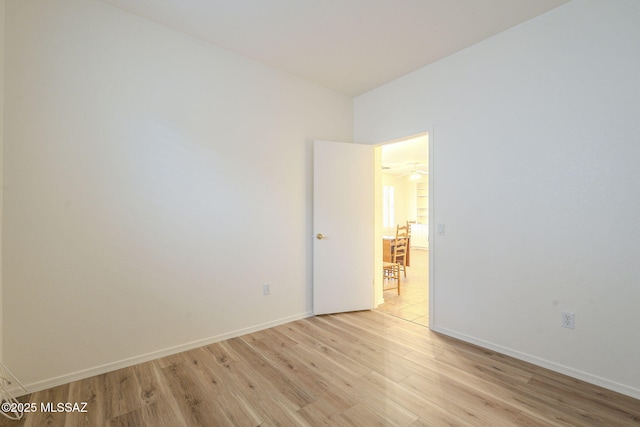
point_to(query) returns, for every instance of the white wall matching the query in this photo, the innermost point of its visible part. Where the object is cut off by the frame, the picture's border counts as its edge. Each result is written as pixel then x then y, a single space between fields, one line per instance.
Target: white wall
pixel 153 183
pixel 536 178
pixel 404 201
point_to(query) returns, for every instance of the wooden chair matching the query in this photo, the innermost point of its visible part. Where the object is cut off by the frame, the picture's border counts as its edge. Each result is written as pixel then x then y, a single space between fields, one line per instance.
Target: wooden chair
pixel 398 262
pixel 401 247
pixel 391 271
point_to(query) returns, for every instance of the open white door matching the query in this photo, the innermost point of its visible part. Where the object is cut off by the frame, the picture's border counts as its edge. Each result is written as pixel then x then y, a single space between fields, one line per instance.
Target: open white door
pixel 343 222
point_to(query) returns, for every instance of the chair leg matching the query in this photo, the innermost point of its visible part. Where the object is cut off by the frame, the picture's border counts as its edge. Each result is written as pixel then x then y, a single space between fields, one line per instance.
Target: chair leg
pixel 392 273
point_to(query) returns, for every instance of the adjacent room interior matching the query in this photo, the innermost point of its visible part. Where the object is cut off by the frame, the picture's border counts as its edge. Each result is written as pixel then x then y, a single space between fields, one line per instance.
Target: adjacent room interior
pixel 405 199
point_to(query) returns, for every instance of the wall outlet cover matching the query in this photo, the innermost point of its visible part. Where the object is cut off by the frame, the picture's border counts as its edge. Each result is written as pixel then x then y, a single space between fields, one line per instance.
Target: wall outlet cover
pixel 568 320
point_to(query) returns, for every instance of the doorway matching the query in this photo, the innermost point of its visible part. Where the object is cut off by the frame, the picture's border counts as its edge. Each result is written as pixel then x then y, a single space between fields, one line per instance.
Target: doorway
pixel 404 183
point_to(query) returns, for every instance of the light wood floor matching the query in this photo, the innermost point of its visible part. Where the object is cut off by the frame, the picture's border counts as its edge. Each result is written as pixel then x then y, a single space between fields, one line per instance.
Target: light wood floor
pixel 364 369
pixel 413 302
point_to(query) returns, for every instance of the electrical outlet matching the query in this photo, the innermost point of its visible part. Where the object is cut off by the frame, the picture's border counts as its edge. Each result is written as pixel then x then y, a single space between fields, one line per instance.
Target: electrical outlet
pixel 266 289
pixel 567 320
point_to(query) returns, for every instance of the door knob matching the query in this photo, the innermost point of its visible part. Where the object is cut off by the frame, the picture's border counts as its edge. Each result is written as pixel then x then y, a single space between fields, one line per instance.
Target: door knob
pixel 320 236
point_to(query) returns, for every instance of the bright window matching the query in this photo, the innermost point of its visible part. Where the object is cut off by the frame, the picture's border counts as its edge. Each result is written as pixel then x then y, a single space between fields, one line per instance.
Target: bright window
pixel 388 207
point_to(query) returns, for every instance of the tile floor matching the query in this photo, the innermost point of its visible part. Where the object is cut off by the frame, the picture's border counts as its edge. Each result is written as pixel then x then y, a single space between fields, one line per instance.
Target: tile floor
pixel 413 302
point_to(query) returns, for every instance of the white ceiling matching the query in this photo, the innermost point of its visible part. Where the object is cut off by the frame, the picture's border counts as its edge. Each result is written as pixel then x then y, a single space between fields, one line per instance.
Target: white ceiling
pixel 350 46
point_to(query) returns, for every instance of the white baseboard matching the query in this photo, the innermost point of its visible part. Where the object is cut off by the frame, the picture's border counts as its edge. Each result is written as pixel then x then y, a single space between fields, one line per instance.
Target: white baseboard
pixel 566 370
pixel 124 363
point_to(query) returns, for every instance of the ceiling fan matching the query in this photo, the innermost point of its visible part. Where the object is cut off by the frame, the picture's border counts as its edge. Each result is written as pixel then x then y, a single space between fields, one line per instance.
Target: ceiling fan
pixel 414 172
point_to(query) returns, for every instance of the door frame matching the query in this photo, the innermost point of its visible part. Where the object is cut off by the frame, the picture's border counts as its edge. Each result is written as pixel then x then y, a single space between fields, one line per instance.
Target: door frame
pixel 377 291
